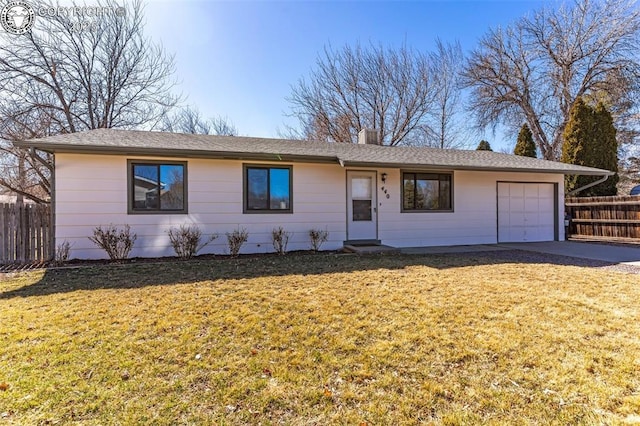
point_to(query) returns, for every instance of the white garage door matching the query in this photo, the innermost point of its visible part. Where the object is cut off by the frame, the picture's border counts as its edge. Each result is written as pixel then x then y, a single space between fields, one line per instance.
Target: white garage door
pixel 525 212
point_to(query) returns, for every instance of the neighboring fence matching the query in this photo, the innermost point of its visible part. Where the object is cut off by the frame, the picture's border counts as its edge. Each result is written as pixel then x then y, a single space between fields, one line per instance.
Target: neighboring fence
pixel 25 233
pixel 611 218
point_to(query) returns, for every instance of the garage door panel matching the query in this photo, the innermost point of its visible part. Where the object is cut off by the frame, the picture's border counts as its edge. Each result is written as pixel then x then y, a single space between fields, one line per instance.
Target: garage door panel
pixel 517 206
pixel 531 208
pixel 526 212
pixel 516 219
pixel 531 220
pixel 531 191
pixel 547 220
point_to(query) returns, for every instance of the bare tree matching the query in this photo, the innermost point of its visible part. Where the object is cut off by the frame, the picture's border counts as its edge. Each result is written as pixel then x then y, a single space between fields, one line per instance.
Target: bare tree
pixel 355 88
pixel 185 120
pixel 629 168
pixel 63 78
pixel 446 128
pixel 25 172
pixel 223 126
pixel 189 120
pixel 533 70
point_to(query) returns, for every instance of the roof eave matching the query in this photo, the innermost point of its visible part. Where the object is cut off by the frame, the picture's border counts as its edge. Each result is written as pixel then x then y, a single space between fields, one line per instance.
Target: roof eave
pixel 170 152
pixel 582 172
pixel 257 156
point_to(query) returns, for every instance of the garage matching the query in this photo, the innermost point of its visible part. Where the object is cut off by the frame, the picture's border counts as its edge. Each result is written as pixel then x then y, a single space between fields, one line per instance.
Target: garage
pixel 526 212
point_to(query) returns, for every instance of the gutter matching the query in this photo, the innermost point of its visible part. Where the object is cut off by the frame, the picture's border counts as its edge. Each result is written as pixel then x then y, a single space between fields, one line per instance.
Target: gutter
pixel 597 182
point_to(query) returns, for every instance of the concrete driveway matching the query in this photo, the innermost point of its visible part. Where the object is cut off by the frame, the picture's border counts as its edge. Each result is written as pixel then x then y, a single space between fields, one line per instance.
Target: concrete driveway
pixel 626 255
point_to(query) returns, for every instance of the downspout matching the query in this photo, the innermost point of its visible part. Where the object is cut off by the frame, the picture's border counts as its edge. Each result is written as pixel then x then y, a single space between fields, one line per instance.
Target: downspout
pixel 582 188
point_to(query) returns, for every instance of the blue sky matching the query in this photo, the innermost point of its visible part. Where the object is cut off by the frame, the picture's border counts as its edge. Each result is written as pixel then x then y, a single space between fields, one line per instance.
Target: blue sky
pixel 239 59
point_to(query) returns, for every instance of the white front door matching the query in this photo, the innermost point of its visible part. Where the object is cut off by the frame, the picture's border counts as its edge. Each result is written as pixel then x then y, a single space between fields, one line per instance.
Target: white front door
pixel 526 212
pixel 362 211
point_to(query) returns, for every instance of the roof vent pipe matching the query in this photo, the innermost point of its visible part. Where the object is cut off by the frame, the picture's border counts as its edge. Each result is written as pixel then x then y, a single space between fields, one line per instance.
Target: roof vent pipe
pixel 369 137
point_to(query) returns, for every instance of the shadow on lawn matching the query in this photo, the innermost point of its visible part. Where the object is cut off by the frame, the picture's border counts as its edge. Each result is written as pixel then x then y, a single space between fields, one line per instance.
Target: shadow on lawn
pixel 166 272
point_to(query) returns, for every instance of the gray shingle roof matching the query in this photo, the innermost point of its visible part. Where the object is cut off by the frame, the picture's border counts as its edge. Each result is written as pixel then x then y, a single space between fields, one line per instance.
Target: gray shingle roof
pixel 133 142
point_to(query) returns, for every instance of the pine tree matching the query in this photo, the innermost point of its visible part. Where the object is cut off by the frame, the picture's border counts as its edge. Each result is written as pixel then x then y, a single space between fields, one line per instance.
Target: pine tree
pixel 606 152
pixel 590 140
pixel 484 146
pixel 525 146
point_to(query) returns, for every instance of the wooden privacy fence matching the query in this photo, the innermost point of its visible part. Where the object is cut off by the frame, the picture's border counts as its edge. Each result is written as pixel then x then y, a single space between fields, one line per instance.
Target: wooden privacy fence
pixel 611 218
pixel 26 233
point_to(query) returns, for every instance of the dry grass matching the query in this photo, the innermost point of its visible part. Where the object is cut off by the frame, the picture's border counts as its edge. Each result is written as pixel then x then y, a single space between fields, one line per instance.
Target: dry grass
pixel 321 339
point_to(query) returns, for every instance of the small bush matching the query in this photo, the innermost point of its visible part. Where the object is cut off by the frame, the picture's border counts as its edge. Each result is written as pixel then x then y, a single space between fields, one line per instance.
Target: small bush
pixel 280 239
pixel 318 237
pixel 63 251
pixel 236 239
pixel 186 240
pixel 117 243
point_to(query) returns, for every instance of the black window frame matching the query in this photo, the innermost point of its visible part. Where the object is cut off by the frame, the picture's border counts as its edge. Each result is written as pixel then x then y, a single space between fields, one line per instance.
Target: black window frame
pixel 131 191
pixel 245 189
pixel 403 173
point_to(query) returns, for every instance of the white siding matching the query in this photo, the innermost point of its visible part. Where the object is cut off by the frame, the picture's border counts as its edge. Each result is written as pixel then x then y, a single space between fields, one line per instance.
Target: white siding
pixel 91 190
pixel 474 217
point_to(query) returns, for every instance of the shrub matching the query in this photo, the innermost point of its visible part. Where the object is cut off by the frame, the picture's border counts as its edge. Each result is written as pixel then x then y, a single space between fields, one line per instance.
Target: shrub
pixel 236 239
pixel 63 250
pixel 318 237
pixel 117 243
pixel 187 240
pixel 280 239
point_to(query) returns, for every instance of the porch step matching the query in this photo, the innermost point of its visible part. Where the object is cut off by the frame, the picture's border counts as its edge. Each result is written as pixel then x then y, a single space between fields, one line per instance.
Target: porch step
pixel 358 243
pixel 363 248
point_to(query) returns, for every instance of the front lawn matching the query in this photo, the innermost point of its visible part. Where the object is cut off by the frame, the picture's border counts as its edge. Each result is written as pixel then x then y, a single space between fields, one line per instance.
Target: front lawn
pixel 321 339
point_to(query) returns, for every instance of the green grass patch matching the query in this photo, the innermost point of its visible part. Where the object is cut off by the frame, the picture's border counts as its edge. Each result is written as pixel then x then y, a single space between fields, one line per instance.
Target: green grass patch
pixel 321 339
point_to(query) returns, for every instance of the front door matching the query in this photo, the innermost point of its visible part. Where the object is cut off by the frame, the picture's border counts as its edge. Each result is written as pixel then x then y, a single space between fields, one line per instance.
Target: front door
pixel 362 212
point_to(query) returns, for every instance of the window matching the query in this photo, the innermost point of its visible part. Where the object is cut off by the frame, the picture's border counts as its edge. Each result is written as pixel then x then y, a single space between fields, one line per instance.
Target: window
pixel 157 187
pixel 426 191
pixel 267 189
pixel 361 199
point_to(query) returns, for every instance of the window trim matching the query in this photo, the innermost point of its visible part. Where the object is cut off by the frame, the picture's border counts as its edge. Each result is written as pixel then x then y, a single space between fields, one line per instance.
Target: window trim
pixel 245 189
pixel 130 194
pixel 437 172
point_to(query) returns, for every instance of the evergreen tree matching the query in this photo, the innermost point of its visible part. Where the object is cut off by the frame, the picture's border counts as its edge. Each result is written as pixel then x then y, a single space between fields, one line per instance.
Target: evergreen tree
pixel 484 146
pixel 606 151
pixel 525 146
pixel 590 140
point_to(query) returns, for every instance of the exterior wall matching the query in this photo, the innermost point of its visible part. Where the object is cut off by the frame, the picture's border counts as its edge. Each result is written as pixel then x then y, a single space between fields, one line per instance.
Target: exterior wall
pixel 474 218
pixel 91 190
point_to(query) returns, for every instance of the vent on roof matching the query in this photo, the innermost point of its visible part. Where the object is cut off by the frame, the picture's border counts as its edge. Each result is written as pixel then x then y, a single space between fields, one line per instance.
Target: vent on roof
pixel 369 136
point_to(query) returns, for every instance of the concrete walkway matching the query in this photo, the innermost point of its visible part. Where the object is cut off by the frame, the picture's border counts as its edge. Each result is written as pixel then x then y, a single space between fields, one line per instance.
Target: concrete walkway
pixel 626 255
